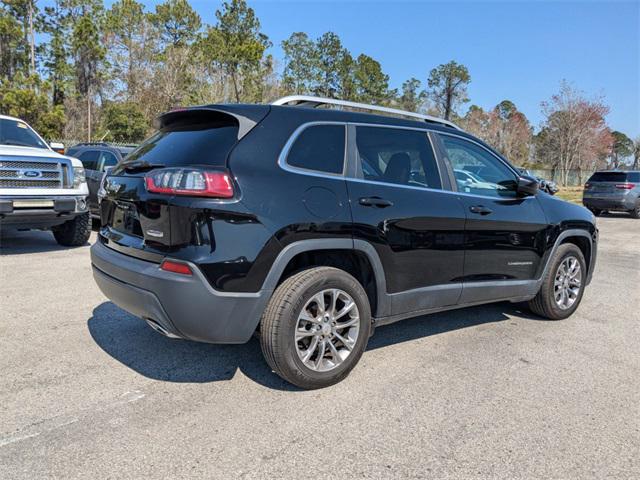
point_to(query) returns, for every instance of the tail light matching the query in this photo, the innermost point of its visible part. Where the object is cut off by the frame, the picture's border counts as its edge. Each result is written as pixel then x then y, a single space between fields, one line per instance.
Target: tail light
pixel 626 186
pixel 175 267
pixel 190 181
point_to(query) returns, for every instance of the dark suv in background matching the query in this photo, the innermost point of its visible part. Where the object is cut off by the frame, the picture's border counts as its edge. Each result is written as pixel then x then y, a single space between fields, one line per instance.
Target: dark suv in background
pixel 311 226
pixel 613 190
pixel 96 158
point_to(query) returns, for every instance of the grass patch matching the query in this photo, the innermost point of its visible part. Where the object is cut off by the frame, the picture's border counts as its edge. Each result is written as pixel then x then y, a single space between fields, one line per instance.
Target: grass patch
pixel 571 194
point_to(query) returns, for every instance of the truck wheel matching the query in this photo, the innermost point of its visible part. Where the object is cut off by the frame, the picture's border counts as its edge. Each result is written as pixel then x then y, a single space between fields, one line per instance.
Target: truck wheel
pixel 563 284
pixel 635 213
pixel 73 233
pixel 316 327
pixel 596 211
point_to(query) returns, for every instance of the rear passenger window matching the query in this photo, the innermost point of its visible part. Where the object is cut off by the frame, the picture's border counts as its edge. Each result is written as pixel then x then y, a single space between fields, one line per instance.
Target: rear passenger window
pixel 89 159
pixel 319 148
pixel 394 155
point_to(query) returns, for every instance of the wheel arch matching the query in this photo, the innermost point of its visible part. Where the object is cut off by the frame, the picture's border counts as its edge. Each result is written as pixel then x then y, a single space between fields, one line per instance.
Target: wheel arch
pixel 358 258
pixel 583 239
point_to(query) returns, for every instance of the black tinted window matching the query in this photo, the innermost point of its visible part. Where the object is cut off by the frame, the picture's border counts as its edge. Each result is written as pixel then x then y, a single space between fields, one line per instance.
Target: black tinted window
pixel 394 155
pixel 634 177
pixel 201 143
pixel 611 177
pixel 89 159
pixel 320 148
pixel 72 151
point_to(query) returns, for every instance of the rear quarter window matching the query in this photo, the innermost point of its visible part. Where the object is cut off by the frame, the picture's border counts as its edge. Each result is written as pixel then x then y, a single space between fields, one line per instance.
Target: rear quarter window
pixel 319 148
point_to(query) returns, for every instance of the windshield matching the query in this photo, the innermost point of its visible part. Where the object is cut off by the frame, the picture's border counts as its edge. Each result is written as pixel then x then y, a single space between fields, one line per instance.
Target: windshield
pixel 15 132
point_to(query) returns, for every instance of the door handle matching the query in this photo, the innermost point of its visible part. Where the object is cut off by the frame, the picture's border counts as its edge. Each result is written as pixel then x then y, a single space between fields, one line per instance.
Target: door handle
pixel 480 209
pixel 375 202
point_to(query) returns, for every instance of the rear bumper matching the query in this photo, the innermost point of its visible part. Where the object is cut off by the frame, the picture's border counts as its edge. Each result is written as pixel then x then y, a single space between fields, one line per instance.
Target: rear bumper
pixel 602 203
pixel 183 306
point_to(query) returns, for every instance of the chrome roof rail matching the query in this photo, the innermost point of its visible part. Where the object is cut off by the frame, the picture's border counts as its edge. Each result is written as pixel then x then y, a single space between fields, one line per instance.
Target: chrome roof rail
pixel 311 101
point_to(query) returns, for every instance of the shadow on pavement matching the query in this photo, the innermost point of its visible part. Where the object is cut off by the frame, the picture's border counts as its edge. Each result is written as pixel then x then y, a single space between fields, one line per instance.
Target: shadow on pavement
pixel 130 341
pixel 18 242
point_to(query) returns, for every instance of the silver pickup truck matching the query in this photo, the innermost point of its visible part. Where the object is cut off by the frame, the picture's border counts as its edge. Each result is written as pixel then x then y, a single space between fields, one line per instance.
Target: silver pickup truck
pixel 39 188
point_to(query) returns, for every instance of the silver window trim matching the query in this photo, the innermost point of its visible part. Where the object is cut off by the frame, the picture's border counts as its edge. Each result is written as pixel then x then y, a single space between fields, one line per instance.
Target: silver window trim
pixel 314 173
pixel 282 158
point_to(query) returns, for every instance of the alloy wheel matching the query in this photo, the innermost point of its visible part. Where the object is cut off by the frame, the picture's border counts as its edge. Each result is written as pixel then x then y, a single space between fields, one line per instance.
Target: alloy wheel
pixel 327 330
pixel 568 282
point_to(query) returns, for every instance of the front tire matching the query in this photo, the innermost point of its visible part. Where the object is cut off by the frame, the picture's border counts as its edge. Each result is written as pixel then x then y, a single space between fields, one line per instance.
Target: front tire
pixel 563 284
pixel 316 327
pixel 75 232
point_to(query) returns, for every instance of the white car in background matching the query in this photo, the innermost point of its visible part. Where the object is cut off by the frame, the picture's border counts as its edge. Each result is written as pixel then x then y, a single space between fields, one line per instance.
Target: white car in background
pixel 39 188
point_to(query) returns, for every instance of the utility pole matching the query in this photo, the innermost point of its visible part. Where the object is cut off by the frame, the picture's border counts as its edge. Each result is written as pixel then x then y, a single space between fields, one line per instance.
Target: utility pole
pixel 89 114
pixel 32 42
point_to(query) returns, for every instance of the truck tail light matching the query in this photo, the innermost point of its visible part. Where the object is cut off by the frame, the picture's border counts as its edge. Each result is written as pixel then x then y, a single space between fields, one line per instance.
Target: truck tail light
pixel 176 267
pixel 626 186
pixel 190 181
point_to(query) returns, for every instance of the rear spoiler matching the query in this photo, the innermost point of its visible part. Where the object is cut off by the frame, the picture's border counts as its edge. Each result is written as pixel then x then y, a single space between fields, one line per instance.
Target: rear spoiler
pixel 246 116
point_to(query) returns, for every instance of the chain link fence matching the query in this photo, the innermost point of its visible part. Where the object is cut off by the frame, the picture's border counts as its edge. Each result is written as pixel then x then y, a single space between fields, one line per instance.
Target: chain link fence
pixel 70 143
pixel 574 177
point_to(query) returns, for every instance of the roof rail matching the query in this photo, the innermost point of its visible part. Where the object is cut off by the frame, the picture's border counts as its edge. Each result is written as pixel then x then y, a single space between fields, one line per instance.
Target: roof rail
pixel 311 101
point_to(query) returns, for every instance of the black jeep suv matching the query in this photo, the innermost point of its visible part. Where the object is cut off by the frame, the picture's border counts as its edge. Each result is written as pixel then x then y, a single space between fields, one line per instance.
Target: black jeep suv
pixel 311 226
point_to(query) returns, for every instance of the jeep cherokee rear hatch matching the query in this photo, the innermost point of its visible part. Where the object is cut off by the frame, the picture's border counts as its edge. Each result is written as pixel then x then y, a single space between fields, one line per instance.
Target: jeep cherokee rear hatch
pixel 161 197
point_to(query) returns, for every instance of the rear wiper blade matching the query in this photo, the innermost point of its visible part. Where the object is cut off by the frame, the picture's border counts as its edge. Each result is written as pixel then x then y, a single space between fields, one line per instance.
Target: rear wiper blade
pixel 137 166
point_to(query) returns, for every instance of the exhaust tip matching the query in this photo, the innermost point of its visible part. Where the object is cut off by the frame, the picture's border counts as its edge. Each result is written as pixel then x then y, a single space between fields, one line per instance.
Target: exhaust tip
pixel 158 328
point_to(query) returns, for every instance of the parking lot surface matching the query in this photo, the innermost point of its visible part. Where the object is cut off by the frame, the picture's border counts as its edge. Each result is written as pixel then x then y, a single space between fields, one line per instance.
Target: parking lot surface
pixel 88 391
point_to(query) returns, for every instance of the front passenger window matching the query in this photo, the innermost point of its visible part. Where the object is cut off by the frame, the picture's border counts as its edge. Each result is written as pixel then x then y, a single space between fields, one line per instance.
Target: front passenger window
pixel 476 170
pixel 89 159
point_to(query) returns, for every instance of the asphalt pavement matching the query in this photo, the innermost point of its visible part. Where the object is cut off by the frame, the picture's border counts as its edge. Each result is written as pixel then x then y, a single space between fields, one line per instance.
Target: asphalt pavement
pixel 88 391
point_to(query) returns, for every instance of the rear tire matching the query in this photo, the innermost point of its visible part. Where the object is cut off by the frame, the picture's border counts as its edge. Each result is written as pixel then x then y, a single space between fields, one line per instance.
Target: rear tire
pixel 596 211
pixel 294 320
pixel 635 213
pixel 547 303
pixel 75 232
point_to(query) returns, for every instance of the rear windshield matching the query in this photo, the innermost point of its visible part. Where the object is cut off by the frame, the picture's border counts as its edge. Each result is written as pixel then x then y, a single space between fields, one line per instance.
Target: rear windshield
pixel 615 177
pixel 200 143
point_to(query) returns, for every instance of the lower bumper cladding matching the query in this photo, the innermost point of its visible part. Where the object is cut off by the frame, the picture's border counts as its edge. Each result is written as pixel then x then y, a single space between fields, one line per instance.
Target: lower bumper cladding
pixel 176 305
pixel 609 203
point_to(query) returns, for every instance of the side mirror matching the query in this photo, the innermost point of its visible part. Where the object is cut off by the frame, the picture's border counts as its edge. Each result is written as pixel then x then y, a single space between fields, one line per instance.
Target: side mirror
pixel 57 147
pixel 527 186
